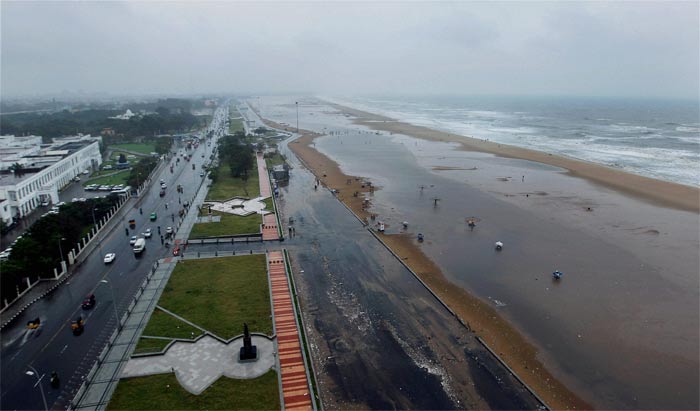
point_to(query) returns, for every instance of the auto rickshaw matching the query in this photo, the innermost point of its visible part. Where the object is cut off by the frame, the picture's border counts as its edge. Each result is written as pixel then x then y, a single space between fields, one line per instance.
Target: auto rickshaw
pixel 34 324
pixel 78 326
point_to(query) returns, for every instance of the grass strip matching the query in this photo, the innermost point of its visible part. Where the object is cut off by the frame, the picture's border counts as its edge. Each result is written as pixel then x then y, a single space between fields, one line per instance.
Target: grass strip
pixel 230 224
pixel 150 345
pixel 220 294
pixel 163 392
pixel 114 179
pixel 226 186
pixel 143 148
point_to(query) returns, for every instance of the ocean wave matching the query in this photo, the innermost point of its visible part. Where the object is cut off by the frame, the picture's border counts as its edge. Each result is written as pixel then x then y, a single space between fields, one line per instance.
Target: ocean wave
pixel 688 129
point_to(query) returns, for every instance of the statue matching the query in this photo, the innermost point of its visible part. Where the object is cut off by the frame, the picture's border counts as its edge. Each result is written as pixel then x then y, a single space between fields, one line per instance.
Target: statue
pixel 249 352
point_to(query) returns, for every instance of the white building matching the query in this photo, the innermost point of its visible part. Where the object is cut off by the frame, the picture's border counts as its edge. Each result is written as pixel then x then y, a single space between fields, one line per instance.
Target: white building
pixel 44 172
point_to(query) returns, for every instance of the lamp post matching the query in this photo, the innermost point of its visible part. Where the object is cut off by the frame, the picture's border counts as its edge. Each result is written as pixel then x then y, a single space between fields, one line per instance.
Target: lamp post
pixel 35 373
pixel 60 249
pixel 297 104
pixel 114 302
pixel 94 222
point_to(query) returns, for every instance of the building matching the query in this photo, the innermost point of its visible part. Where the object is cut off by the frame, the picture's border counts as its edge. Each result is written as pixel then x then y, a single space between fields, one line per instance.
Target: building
pixel 42 170
pixel 280 172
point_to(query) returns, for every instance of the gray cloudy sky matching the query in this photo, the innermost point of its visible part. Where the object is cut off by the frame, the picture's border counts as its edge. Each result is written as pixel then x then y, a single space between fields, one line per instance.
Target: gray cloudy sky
pixel 603 48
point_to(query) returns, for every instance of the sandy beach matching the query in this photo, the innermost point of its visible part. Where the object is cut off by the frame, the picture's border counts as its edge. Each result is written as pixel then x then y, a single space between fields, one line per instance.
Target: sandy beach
pixel 514 347
pixel 658 192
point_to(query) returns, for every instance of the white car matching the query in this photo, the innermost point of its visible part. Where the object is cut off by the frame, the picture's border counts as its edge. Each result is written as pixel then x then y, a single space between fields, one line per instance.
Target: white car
pixel 147 233
pixel 163 186
pixel 109 257
pixel 169 230
pixel 133 240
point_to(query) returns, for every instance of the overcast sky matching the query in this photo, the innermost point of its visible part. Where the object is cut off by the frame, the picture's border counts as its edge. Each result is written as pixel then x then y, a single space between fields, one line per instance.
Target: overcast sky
pixel 616 48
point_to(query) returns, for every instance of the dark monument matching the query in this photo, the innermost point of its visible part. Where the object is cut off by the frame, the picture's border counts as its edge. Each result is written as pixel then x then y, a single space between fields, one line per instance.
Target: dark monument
pixel 249 352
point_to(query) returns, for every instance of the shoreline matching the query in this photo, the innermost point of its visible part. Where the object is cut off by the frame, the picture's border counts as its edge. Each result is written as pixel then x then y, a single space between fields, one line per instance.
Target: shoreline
pixel 481 318
pixel 657 192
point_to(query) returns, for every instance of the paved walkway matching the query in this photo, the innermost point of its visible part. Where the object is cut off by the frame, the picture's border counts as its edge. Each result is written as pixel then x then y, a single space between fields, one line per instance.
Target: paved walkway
pixel 295 384
pixel 270 230
pixel 199 364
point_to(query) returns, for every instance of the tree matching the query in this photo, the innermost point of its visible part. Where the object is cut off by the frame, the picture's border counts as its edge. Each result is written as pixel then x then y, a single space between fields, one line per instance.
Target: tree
pixel 122 158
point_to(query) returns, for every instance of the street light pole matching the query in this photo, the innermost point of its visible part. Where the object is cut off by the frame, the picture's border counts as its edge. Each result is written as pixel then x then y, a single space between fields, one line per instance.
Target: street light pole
pixel 297 104
pixel 99 242
pixel 60 249
pixel 114 302
pixel 35 373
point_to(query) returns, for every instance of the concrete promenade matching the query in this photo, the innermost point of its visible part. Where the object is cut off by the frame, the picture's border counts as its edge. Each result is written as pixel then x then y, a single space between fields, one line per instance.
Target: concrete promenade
pixel 270 231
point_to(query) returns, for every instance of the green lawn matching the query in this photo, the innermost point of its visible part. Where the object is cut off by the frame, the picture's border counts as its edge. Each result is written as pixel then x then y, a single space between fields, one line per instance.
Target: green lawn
pixel 274 160
pixel 229 225
pixel 150 345
pixel 227 186
pixel 235 124
pixel 119 178
pixel 162 324
pixel 163 392
pixel 143 148
pixel 221 294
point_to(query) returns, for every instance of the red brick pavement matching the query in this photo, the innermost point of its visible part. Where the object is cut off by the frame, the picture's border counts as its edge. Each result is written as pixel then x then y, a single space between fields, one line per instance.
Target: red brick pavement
pixel 295 386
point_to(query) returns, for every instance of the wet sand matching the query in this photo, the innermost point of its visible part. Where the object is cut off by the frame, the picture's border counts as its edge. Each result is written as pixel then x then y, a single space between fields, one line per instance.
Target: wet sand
pixel 329 174
pixel 657 192
pixel 512 347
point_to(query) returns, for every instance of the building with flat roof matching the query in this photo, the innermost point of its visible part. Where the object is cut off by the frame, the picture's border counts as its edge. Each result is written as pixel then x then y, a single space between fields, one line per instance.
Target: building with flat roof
pixel 36 172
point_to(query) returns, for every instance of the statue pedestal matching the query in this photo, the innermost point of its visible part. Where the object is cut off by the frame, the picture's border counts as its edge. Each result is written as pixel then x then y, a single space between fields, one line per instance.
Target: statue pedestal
pixel 248 355
pixel 249 352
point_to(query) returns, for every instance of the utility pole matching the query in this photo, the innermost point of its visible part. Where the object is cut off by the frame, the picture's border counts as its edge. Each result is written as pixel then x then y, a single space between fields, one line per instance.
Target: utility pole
pixel 297 104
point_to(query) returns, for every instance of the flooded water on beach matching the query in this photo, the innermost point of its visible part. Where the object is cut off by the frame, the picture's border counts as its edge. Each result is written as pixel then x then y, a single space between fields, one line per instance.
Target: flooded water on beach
pixel 625 312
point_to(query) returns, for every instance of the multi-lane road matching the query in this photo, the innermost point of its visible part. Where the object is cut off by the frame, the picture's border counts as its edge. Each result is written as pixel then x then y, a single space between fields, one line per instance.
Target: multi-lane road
pixel 53 347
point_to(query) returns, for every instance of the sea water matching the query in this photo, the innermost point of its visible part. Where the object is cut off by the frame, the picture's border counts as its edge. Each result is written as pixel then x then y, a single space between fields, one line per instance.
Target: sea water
pixel 650 137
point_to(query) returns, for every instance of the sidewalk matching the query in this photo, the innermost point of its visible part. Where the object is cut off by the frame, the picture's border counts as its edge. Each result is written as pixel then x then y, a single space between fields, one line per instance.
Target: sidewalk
pixel 293 373
pixel 270 230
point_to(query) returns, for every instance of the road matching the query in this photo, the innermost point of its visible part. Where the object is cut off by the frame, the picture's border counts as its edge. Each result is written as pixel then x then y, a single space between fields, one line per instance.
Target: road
pixel 53 347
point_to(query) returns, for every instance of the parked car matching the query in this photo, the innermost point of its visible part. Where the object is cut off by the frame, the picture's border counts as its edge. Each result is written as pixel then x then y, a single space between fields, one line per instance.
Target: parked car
pixel 107 167
pixel 109 257
pixel 132 241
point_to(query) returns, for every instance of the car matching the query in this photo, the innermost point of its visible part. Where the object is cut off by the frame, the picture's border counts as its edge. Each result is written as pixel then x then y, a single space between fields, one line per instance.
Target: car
pixel 163 186
pixel 147 233
pixel 109 257
pixel 45 203
pixel 107 167
pixel 85 172
pixel 169 230
pixel 88 302
pixel 132 241
pixel 162 193
pixel 62 203
pixel 154 216
pixel 76 178
pixel 162 181
pixel 105 188
pixel 73 200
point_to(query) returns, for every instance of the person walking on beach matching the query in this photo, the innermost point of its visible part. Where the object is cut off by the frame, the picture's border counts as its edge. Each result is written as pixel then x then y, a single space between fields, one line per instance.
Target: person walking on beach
pixel 523 179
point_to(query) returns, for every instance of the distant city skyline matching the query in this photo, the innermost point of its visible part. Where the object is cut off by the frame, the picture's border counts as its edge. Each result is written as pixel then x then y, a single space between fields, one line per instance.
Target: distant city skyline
pixel 636 49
